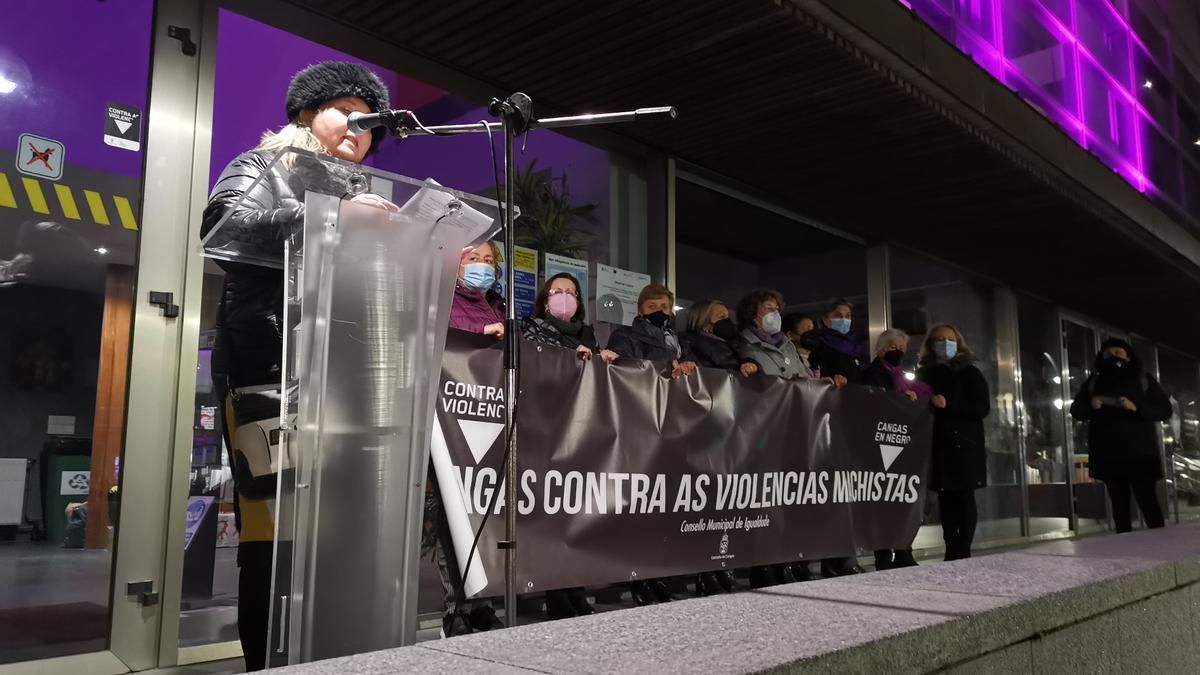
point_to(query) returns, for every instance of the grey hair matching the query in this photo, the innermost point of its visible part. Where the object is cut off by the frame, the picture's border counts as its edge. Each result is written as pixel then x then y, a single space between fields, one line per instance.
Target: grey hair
pixel 698 313
pixel 887 336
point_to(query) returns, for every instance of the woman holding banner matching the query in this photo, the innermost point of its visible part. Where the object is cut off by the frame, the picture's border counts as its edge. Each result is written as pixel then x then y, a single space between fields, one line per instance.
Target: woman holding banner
pixel 713 339
pixel 476 307
pixel 885 372
pixel 764 343
pixel 652 337
pixel 558 319
pixel 960 402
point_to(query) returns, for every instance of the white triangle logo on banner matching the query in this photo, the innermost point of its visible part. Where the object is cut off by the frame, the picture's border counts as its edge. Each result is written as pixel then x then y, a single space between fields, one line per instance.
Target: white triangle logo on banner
pixel 123 125
pixel 890 453
pixel 480 436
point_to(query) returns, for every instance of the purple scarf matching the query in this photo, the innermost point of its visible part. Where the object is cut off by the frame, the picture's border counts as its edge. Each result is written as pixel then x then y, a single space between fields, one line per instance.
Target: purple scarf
pixel 846 344
pixel 773 340
pixel 902 383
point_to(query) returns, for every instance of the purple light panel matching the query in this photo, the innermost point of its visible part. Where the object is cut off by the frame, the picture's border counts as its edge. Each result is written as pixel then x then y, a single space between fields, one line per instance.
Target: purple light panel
pixel 1075 60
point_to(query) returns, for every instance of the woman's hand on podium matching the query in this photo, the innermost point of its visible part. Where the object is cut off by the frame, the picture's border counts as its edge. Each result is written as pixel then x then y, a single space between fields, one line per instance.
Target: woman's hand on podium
pixel 370 199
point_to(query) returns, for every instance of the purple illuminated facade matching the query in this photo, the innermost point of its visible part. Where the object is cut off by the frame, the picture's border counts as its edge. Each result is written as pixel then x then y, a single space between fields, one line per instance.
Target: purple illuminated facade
pixel 1101 69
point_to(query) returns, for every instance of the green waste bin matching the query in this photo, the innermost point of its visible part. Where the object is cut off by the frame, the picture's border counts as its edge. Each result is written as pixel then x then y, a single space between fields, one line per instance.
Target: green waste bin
pixel 66 463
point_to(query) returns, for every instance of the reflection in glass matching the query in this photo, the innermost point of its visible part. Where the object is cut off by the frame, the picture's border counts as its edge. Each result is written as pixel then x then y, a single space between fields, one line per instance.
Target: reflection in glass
pixel 925 293
pixel 69 229
pixel 1091 506
pixel 1043 426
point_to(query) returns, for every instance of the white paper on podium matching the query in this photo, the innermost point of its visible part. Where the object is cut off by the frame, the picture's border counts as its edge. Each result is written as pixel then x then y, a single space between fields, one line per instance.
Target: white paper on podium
pixel 430 203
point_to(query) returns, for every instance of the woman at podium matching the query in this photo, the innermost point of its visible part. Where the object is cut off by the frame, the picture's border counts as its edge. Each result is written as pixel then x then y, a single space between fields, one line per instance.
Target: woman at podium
pixel 249 349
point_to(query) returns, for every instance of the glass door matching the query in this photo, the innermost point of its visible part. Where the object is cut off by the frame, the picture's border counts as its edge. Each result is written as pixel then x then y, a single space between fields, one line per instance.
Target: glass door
pixel 1180 378
pixel 74 81
pixel 1043 423
pixel 1080 344
pixel 90 280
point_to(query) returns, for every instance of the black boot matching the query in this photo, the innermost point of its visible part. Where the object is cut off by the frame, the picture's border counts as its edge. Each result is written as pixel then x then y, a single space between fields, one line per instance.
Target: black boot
pixel 905 558
pixel 558 606
pixel 641 593
pixel 784 574
pixel 456 623
pixel 579 602
pixel 761 577
pixel 660 590
pixel 484 618
pixel 706 584
pixel 801 572
pixel 831 567
pixel 884 560
pixel 727 581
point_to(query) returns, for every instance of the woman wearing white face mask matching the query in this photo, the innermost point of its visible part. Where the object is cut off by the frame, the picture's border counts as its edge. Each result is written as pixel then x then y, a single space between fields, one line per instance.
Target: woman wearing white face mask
pixel 763 340
pixel 476 307
pixel 958 465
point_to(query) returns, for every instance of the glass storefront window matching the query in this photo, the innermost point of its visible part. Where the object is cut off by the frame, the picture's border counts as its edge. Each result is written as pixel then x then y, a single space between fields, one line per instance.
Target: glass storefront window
pixel 73 93
pixel 1043 407
pixel 1179 376
pixel 756 248
pixel 925 293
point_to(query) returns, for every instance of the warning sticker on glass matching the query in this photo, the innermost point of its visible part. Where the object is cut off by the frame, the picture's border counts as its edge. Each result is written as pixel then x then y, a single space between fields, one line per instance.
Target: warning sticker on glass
pixel 123 126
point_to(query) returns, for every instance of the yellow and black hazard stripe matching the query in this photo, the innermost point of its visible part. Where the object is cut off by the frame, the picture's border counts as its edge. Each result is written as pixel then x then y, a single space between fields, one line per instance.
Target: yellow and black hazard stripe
pixel 61 201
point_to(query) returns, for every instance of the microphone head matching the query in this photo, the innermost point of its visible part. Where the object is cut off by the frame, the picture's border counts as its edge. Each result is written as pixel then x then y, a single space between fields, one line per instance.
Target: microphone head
pixel 355 123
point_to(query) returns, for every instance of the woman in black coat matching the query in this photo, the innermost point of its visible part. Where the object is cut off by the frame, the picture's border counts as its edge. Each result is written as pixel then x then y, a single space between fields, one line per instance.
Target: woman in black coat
pixel 558 319
pixel 652 336
pixel 1122 405
pixel 712 338
pixel 960 402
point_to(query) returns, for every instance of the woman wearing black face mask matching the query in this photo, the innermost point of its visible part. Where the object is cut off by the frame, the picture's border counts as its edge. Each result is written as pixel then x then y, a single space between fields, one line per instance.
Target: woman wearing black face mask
pixel 885 372
pixel 652 336
pixel 713 338
pixel 713 341
pixel 1122 405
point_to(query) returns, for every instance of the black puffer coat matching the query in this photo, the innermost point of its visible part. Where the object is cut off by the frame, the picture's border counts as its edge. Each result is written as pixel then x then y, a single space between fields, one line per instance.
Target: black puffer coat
pixel 959 459
pixel 249 346
pixel 710 351
pixel 644 341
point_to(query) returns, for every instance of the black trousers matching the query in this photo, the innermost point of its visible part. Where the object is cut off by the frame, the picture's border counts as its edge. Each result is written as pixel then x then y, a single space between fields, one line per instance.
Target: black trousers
pixel 959 516
pixel 254 601
pixel 1146 493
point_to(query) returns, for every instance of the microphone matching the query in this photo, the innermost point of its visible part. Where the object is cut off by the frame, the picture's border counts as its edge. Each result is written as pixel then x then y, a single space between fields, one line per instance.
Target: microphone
pixel 361 123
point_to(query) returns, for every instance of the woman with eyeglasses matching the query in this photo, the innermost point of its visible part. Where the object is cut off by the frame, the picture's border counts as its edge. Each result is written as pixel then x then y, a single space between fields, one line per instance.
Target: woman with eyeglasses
pixel 558 319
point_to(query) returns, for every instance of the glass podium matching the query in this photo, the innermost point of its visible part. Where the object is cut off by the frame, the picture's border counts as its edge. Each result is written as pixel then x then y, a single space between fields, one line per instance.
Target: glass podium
pixel 365 313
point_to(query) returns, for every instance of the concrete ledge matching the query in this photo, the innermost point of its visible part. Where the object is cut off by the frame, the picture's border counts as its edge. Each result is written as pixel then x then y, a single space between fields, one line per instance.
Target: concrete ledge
pixel 1116 603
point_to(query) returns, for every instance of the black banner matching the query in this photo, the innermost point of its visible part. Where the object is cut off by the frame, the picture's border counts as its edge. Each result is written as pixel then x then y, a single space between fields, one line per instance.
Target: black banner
pixel 626 474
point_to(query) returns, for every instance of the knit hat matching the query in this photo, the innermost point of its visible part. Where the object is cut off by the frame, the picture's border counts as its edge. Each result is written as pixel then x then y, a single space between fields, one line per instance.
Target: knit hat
pixel 323 82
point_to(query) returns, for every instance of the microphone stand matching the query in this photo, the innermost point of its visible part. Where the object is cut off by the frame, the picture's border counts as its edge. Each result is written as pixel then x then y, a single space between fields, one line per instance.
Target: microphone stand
pixel 516 118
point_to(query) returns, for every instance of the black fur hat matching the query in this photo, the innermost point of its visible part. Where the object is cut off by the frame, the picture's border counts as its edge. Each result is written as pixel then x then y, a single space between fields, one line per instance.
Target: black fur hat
pixel 323 82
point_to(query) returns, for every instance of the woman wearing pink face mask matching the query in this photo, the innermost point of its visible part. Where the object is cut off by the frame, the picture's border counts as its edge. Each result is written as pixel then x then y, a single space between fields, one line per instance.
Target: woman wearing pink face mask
pixel 558 319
